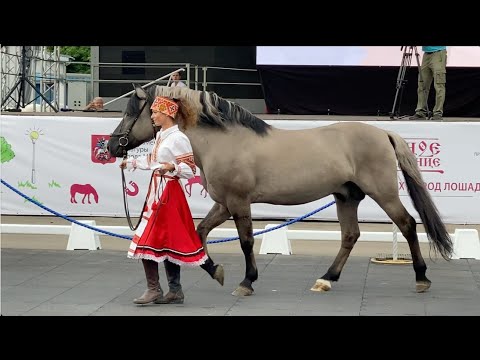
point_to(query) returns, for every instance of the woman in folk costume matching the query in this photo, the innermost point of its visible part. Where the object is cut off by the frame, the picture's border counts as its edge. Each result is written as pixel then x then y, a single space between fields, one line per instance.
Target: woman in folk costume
pixel 166 231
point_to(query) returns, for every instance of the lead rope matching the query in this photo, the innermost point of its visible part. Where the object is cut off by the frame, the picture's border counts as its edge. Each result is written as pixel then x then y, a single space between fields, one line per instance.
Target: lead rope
pixel 124 183
pixel 125 202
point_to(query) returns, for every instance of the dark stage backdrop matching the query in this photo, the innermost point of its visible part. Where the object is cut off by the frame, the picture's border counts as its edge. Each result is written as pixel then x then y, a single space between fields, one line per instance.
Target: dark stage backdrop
pixel 361 90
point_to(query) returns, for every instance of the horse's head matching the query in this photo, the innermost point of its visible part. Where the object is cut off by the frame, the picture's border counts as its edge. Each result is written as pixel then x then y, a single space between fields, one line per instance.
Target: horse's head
pixel 136 126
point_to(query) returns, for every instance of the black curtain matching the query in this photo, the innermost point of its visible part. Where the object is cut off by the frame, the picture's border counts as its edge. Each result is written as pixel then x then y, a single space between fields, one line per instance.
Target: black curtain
pixel 362 90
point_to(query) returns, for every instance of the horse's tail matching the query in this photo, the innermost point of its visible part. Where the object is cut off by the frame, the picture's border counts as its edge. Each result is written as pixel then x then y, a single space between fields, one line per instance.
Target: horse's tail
pixel 435 229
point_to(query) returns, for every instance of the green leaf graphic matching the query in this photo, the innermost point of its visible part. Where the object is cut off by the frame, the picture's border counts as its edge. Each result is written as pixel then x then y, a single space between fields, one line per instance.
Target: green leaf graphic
pixel 7 153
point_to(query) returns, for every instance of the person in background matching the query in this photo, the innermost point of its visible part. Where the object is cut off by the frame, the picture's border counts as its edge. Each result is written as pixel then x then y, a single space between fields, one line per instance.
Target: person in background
pixel 433 68
pixel 95 105
pixel 176 80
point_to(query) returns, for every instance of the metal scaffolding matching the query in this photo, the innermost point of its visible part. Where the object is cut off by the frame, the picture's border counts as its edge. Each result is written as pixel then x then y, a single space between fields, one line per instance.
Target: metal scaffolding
pixel 31 76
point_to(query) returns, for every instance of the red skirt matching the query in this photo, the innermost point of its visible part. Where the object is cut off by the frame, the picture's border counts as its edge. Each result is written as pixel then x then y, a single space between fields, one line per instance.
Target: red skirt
pixel 170 231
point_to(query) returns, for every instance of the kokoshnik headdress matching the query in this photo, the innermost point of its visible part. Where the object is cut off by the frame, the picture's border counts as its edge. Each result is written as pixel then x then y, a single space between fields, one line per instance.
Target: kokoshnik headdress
pixel 165 106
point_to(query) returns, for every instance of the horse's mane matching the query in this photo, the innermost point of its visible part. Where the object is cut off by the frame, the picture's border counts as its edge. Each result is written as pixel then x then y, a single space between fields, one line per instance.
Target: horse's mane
pixel 212 110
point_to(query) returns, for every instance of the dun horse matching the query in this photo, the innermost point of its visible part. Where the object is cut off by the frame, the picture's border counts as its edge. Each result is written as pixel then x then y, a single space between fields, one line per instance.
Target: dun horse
pixel 244 160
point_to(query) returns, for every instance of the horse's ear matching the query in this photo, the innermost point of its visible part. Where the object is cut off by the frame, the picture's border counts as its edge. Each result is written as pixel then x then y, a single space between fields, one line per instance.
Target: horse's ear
pixel 140 92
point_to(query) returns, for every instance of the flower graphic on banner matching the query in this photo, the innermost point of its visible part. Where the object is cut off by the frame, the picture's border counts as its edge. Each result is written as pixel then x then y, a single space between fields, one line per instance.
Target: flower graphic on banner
pixel 34 136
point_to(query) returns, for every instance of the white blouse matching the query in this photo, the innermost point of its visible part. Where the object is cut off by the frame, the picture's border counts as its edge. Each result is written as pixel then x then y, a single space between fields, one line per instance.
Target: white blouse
pixel 179 84
pixel 171 146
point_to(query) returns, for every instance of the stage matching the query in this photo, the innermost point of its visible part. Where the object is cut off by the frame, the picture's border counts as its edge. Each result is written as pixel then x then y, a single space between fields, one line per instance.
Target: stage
pixel 267 117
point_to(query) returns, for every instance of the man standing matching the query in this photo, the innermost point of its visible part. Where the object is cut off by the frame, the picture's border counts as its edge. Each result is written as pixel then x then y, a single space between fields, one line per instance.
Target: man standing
pixel 434 68
pixel 176 80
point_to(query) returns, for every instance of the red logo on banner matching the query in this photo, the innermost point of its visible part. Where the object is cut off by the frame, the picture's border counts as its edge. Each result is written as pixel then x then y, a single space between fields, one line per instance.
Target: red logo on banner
pixel 100 153
pixel 134 190
pixel 427 152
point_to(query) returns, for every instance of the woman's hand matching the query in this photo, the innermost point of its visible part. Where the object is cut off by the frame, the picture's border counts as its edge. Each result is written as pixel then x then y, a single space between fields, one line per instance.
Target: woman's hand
pixel 123 164
pixel 166 167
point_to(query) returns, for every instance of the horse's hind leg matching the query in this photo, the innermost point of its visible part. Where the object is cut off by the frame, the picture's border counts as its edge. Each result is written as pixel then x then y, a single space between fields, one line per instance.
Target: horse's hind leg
pixel 217 215
pixel 407 225
pixel 241 213
pixel 348 218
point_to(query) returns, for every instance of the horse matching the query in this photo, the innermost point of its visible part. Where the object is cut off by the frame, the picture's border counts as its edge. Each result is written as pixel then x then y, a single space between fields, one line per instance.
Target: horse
pixel 244 160
pixel 86 190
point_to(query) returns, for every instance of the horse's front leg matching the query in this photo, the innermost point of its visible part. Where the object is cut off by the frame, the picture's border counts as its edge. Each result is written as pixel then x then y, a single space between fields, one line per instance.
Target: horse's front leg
pixel 83 199
pixel 217 215
pixel 241 213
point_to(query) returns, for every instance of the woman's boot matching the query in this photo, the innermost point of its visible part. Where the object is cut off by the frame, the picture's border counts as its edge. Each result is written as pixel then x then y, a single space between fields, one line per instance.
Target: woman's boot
pixel 154 291
pixel 175 293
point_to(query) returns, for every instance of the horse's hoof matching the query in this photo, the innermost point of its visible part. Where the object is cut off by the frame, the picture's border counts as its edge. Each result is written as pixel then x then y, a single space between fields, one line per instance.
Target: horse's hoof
pixel 242 291
pixel 219 274
pixel 422 286
pixel 321 285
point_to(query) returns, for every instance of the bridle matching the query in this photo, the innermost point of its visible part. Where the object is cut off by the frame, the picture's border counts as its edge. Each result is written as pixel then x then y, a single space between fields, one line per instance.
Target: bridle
pixel 123 142
pixel 123 137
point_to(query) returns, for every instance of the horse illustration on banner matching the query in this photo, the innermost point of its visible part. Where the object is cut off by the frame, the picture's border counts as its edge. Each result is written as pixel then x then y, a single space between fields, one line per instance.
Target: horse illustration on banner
pixel 195 180
pixel 86 190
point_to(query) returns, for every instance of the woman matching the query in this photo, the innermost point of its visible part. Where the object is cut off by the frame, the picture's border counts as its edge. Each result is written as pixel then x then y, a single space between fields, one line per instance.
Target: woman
pixel 95 105
pixel 166 231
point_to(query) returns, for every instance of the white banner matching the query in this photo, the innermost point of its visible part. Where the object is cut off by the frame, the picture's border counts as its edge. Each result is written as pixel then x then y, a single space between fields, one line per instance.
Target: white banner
pixel 59 161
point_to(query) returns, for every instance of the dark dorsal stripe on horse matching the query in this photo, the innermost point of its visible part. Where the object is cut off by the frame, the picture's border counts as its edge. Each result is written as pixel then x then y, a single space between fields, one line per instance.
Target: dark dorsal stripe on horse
pixel 216 112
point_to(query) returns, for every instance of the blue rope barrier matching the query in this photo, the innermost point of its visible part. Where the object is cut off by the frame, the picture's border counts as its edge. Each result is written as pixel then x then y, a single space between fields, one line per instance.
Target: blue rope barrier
pixel 63 216
pixel 130 238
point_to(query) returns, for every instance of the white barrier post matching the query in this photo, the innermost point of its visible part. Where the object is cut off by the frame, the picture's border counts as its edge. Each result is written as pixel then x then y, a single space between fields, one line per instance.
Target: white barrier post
pixel 275 241
pixel 394 258
pixel 82 238
pixel 466 244
pixel 395 244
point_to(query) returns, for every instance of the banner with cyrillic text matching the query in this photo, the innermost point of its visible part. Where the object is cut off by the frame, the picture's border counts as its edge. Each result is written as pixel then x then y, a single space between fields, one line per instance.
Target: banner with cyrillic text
pixel 62 164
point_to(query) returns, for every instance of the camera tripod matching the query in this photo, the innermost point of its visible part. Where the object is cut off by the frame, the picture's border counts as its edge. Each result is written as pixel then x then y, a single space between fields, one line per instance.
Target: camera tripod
pixel 401 82
pixel 21 85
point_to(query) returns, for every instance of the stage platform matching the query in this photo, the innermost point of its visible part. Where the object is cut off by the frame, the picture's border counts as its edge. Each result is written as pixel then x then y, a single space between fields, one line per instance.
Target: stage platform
pixel 115 114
